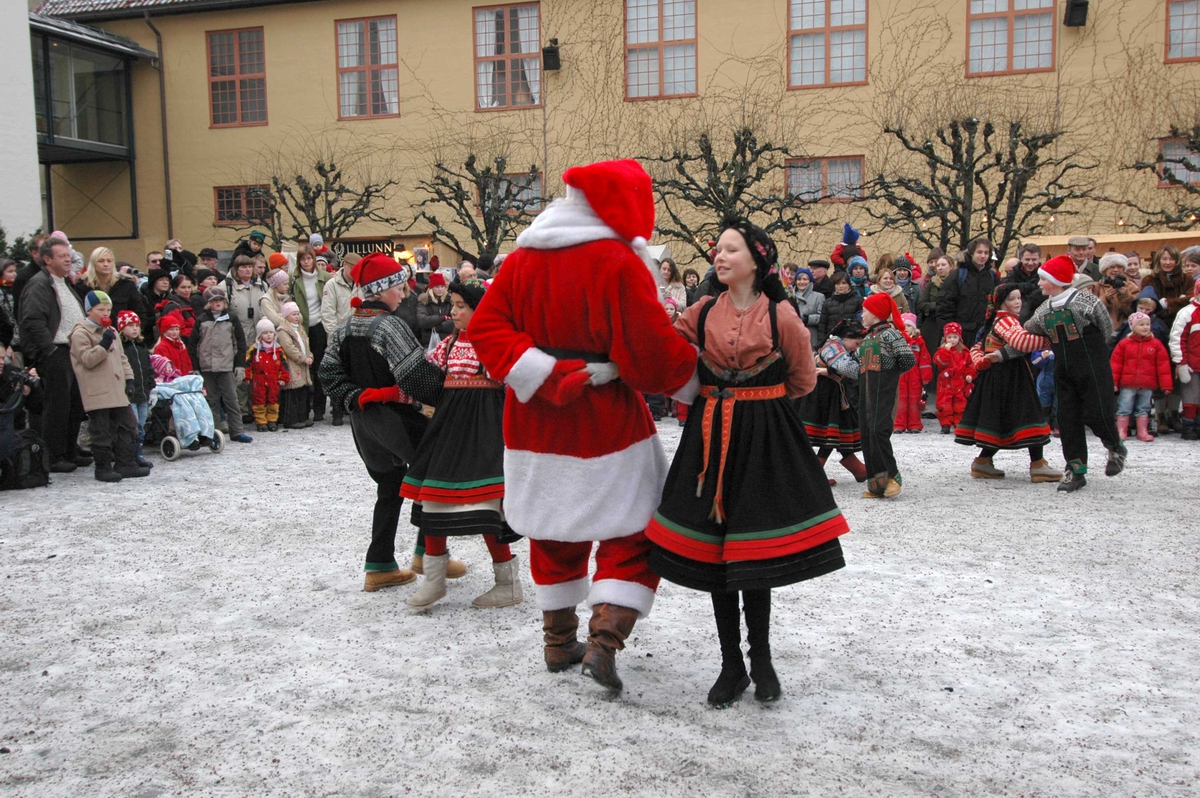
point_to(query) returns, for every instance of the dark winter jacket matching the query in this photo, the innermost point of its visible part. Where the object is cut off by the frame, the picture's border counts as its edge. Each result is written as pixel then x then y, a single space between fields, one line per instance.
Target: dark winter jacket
pixel 219 345
pixel 407 310
pixel 836 308
pixel 125 295
pixel 931 329
pixel 964 298
pixel 243 248
pixel 39 319
pixel 138 355
pixel 433 315
pixel 1175 288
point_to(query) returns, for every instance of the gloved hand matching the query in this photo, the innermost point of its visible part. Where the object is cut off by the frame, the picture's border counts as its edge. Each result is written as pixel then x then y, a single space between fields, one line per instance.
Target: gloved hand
pixel 239 374
pixel 565 383
pixel 1184 373
pixel 376 395
pixel 602 373
pixel 129 390
pixel 106 340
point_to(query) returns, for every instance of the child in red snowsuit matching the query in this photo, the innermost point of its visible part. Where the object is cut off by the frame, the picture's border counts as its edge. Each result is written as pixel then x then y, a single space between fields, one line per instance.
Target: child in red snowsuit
pixel 267 372
pixel 956 377
pixel 909 403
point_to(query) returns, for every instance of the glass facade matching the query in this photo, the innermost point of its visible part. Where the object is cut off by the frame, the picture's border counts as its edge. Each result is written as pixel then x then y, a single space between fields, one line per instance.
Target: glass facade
pixel 82 95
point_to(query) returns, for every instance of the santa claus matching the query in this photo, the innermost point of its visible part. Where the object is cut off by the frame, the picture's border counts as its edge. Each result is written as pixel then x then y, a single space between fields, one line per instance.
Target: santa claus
pixel 573 325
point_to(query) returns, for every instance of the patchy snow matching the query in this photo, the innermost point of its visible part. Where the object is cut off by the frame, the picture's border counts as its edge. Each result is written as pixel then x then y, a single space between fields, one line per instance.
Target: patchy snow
pixel 204 632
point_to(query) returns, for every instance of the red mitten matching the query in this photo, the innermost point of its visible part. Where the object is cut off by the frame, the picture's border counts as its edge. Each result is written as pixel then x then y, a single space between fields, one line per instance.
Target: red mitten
pixel 373 395
pixel 566 383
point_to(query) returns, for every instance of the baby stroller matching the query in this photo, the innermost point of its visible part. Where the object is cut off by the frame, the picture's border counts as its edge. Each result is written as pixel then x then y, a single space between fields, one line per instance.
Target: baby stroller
pixel 181 419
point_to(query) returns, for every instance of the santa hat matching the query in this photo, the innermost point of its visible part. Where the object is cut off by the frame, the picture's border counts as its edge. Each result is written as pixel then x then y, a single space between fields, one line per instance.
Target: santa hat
pixel 172 319
pixel 437 279
pixel 277 260
pixel 883 307
pixel 127 317
pixel 909 319
pixel 1060 270
pixel 620 193
pixel 952 328
pixel 377 273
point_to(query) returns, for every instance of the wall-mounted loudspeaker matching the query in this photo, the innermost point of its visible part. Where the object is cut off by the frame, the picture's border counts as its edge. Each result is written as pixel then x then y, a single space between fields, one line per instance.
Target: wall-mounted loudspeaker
pixel 550 59
pixel 1076 14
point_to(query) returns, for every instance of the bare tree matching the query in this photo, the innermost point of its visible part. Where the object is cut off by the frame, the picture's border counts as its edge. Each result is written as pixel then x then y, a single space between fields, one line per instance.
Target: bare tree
pixel 490 204
pixel 1175 169
pixel 328 182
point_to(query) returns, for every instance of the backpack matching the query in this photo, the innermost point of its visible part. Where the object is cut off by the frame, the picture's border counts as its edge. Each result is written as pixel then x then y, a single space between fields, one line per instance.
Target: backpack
pixel 31 463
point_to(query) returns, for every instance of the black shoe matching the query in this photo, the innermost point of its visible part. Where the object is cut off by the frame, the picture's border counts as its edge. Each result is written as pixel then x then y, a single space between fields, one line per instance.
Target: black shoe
pixel 272 426
pixel 1071 482
pixel 1116 461
pixel 946 430
pixel 318 419
pixel 105 473
pixel 297 425
pixel 766 683
pixel 683 422
pixel 262 427
pixel 248 418
pixel 927 414
pixel 83 460
pixel 63 467
pixel 132 471
pixel 729 686
pixel 338 421
pixel 1189 432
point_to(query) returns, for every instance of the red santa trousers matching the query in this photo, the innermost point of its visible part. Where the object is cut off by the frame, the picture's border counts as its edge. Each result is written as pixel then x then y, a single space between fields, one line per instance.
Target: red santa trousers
pixel 623 576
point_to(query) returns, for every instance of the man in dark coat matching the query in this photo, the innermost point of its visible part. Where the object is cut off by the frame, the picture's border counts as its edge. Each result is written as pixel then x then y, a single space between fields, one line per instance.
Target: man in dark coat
pixel 822 282
pixel 1082 251
pixel 964 295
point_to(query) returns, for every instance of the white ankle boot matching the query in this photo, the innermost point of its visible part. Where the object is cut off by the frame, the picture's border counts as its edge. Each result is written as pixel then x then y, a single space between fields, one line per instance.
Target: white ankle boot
pixel 433 589
pixel 507 591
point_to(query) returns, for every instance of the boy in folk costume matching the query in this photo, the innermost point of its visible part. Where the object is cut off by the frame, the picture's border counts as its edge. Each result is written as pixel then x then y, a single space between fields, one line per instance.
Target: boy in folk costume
pixel 1079 326
pixel 885 354
pixel 583 462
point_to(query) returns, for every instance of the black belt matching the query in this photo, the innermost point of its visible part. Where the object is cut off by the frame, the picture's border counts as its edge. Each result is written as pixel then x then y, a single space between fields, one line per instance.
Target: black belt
pixel 571 354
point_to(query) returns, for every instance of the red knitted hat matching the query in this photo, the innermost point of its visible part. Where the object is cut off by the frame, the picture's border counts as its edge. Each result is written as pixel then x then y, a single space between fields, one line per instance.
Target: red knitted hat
pixel 621 195
pixel 377 273
pixel 277 260
pixel 436 279
pixel 1060 270
pixel 172 319
pixel 883 307
pixel 125 318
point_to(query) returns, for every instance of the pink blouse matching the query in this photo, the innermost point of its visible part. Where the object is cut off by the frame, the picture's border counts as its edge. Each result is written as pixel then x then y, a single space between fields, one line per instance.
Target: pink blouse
pixel 738 339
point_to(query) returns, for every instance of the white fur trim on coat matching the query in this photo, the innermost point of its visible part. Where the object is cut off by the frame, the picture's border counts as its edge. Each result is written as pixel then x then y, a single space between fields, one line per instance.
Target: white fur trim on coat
pixel 623 594
pixel 573 499
pixel 529 372
pixel 562 595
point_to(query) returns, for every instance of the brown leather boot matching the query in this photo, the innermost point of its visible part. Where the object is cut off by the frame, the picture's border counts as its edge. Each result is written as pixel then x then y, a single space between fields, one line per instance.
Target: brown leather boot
pixel 609 627
pixel 563 648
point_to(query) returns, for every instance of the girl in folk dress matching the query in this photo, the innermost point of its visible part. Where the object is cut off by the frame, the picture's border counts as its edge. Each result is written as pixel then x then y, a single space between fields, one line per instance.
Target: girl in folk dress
pixel 746 506
pixel 830 412
pixel 1004 411
pixel 456 481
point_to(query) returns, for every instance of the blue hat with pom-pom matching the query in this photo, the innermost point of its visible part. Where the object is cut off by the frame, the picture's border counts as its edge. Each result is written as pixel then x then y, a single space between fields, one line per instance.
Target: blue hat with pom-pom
pixel 849 235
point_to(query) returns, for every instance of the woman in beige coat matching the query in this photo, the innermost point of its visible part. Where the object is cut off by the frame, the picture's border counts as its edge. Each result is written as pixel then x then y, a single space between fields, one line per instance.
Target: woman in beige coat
pixel 293 399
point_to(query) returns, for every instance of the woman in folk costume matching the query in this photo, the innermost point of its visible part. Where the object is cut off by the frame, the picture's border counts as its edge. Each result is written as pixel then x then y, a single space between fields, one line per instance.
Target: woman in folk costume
pixel 456 482
pixel 375 370
pixel 582 461
pixel 746 507
pixel 1003 411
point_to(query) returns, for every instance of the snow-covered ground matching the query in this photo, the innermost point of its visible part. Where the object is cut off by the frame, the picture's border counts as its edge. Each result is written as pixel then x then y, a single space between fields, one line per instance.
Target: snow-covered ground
pixel 204 632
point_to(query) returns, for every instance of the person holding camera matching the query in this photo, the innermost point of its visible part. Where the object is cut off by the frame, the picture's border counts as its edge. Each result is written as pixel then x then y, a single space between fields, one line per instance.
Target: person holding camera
pixel 1116 291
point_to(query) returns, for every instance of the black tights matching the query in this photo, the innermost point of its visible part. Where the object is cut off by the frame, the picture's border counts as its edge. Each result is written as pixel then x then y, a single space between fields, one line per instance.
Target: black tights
pixel 1035 453
pixel 757 606
pixel 824 452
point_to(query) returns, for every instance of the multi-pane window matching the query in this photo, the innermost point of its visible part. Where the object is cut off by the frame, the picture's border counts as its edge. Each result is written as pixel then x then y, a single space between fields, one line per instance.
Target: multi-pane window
pixel 1010 36
pixel 660 48
pixel 508 57
pixel 527 192
pixel 827 42
pixel 241 204
pixel 237 79
pixel 817 179
pixel 1183 30
pixel 1180 164
pixel 368 79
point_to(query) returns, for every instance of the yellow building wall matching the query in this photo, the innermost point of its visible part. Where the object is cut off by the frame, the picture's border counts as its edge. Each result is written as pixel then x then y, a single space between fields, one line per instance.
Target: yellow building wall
pixel 1111 89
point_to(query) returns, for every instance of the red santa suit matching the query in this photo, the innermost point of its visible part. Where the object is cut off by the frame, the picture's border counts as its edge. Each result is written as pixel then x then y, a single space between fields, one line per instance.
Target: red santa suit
pixel 591 469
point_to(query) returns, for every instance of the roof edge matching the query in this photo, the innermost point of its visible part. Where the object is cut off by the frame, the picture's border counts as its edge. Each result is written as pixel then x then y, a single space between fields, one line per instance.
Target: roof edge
pixel 197 7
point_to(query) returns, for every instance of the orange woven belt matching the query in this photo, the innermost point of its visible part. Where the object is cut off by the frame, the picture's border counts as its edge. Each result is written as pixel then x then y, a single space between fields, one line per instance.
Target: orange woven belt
pixel 471 382
pixel 727 398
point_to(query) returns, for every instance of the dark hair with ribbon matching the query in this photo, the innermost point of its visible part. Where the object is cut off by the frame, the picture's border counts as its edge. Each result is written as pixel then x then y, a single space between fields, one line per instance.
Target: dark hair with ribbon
pixel 995 304
pixel 766 258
